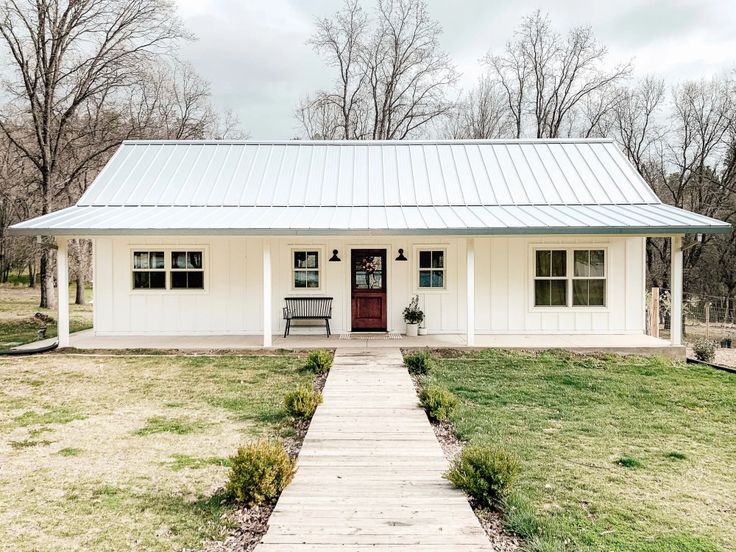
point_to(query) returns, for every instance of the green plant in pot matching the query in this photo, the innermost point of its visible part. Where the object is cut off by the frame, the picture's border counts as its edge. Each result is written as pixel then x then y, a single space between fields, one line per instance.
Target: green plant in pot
pixel 413 316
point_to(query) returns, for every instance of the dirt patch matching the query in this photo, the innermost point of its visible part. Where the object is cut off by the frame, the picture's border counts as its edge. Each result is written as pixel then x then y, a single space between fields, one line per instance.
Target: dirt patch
pixel 490 520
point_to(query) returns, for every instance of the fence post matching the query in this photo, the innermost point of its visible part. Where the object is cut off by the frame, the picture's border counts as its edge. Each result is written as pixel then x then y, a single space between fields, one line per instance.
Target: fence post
pixel 707 320
pixel 654 312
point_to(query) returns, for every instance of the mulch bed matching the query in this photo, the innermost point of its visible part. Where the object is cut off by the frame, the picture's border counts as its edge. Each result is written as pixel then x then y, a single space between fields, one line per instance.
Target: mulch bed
pixel 491 520
pixel 251 523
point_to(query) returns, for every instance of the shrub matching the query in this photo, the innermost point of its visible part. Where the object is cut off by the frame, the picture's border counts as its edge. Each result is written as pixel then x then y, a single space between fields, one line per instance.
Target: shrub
pixel 704 349
pixel 302 401
pixel 486 473
pixel 438 402
pixel 319 362
pixel 259 472
pixel 417 362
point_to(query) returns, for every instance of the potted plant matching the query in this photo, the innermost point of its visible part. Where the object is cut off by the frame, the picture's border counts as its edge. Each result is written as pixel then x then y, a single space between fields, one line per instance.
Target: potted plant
pixel 423 327
pixel 413 316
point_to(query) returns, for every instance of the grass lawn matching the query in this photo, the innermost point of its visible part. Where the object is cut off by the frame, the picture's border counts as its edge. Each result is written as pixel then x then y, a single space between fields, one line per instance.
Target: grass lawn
pixel 128 452
pixel 19 303
pixel 633 454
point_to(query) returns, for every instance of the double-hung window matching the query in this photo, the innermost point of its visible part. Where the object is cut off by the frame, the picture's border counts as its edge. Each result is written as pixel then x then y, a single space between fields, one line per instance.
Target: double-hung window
pixel 306 269
pixel 569 277
pixel 187 271
pixel 431 269
pixel 149 270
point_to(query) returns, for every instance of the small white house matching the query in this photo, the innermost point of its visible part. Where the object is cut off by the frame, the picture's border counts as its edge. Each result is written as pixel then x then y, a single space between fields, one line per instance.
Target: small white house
pixel 522 237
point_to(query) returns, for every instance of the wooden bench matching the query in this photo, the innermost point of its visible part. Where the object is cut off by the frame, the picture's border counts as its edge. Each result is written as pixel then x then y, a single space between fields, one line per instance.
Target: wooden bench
pixel 307 308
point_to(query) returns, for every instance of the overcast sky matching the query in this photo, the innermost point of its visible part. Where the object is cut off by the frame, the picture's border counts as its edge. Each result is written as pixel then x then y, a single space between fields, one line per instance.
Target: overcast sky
pixel 255 56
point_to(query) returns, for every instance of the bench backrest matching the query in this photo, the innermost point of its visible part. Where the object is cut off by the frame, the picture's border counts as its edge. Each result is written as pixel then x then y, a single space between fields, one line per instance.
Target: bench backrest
pixel 309 307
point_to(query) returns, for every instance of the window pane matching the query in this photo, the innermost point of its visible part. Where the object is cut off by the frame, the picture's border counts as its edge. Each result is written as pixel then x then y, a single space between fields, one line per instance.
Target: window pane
pixel 597 293
pixel 140 280
pixel 558 293
pixel 140 259
pixel 195 280
pixel 300 279
pixel 312 259
pixel 300 259
pixel 312 278
pixel 438 278
pixel 559 263
pixel 194 259
pixel 541 293
pixel 425 278
pixel 580 292
pixel 543 263
pixel 597 262
pixel 157 259
pixel 178 280
pixel 582 263
pixel 158 280
pixel 425 259
pixel 438 259
pixel 178 259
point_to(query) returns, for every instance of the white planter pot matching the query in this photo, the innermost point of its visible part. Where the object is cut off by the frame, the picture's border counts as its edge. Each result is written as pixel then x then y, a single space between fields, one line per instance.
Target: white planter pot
pixel 411 330
pixel 422 331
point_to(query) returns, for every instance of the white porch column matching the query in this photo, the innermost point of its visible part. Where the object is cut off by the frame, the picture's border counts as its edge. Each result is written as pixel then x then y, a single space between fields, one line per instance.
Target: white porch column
pixel 470 290
pixel 676 291
pixel 62 280
pixel 267 339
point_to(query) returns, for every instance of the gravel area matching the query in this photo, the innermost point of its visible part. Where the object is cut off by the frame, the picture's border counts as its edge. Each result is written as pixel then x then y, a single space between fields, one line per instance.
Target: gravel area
pixel 490 520
pixel 725 357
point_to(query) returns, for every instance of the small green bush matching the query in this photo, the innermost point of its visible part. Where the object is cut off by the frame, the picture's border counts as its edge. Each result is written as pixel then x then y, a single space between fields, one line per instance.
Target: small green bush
pixel 438 402
pixel 319 361
pixel 302 401
pixel 486 473
pixel 417 363
pixel 259 472
pixel 628 462
pixel 704 349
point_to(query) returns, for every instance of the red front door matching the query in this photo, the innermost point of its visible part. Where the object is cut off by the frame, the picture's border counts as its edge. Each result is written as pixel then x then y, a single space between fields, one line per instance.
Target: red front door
pixel 368 284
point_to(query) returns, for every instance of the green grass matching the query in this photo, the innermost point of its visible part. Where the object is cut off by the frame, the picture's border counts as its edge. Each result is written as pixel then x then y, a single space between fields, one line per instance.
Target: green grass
pixel 184 461
pixel 618 453
pixel 69 451
pixel 18 304
pixel 160 424
pixel 54 415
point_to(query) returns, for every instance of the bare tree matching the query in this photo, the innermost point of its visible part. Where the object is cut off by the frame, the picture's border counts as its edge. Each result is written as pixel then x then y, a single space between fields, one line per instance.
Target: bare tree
pixel 547 77
pixel 481 113
pixel 65 56
pixel 392 76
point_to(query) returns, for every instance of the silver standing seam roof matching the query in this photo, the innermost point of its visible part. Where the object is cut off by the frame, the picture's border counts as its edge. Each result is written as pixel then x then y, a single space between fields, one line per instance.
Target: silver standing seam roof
pixel 370 187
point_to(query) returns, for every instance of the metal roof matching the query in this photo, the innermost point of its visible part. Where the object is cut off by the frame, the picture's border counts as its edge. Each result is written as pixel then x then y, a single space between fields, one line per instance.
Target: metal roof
pixel 458 187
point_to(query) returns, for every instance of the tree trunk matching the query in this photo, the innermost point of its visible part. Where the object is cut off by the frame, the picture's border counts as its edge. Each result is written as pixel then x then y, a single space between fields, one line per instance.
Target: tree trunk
pixel 80 299
pixel 48 297
pixel 31 274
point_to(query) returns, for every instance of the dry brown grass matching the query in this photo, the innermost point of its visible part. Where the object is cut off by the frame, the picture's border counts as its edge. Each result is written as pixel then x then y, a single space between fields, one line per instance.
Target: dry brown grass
pixel 120 453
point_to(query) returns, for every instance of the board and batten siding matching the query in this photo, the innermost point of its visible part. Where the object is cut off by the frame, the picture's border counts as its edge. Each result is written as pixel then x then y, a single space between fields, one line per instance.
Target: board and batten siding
pixel 231 302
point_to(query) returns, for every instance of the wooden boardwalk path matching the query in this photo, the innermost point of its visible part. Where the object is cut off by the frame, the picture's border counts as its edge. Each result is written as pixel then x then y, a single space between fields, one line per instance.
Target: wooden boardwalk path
pixel 370 471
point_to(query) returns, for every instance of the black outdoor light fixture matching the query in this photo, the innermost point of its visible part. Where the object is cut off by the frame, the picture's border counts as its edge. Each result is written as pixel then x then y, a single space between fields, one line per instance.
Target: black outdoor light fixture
pixel 334 258
pixel 401 256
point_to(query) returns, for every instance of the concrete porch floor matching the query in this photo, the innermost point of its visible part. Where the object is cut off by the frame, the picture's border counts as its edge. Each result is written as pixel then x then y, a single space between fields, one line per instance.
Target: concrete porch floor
pixel 613 343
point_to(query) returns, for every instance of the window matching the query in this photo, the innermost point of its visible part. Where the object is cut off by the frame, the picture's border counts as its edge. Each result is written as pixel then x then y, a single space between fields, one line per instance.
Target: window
pixel 589 278
pixel 432 269
pixel 306 269
pixel 148 270
pixel 187 271
pixel 550 278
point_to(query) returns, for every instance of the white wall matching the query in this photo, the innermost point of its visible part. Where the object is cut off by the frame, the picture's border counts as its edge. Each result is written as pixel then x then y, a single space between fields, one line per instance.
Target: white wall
pixel 232 300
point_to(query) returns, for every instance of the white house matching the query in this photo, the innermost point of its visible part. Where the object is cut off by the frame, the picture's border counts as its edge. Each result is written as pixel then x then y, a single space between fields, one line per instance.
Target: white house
pixel 522 237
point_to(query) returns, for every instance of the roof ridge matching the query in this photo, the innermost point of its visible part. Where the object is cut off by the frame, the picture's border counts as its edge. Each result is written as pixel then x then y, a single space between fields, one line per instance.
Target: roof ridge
pixel 296 142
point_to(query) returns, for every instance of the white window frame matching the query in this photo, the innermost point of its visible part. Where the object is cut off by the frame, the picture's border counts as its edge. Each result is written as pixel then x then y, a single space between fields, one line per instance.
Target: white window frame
pixel 417 268
pixel 565 278
pixel 570 271
pixel 168 249
pixel 320 250
pixel 133 270
pixel 173 270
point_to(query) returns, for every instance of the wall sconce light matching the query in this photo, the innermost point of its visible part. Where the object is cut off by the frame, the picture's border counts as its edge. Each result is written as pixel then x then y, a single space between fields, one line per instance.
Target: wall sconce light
pixel 334 258
pixel 401 256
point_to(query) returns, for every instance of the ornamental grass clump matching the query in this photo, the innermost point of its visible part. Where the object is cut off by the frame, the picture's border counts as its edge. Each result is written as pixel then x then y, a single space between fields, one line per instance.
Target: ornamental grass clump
pixel 302 401
pixel 259 472
pixel 704 349
pixel 319 361
pixel 417 363
pixel 438 402
pixel 486 473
